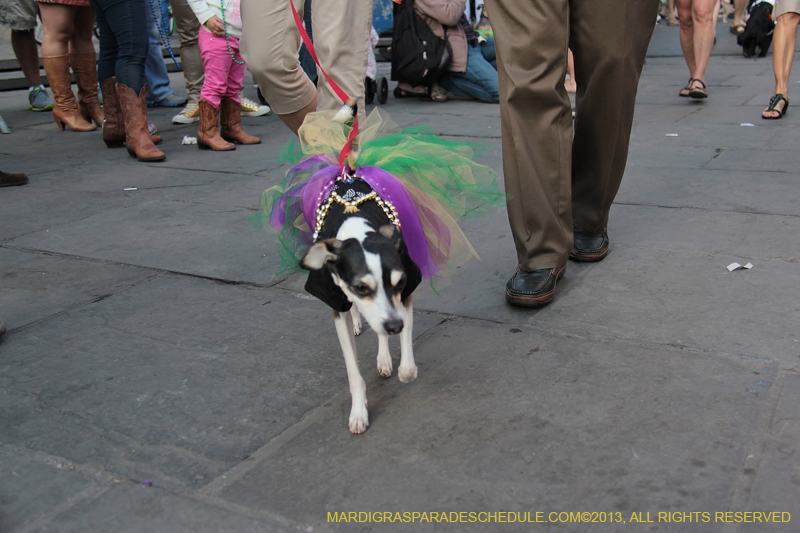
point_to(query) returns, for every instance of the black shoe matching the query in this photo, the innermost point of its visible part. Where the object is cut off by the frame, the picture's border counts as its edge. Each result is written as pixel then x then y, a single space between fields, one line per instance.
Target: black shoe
pixel 589 248
pixel 533 289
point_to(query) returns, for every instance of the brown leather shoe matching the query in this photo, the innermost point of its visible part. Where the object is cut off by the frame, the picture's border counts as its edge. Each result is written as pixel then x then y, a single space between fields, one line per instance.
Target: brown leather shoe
pixel 114 124
pixel 65 109
pixel 589 248
pixel 10 180
pixel 533 289
pixel 208 137
pixel 85 68
pixel 231 123
pixel 134 111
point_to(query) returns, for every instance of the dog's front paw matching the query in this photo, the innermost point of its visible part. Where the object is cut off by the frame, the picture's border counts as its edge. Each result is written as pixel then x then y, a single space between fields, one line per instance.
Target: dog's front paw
pixel 359 418
pixel 407 375
pixel 385 365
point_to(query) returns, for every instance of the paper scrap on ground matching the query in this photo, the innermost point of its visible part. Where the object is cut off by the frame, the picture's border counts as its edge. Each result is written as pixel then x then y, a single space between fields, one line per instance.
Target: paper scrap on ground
pixel 189 140
pixel 131 189
pixel 672 134
pixel 747 124
pixel 735 266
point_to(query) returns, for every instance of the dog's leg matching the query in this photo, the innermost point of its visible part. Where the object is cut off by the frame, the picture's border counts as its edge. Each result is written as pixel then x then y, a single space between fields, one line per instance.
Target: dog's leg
pixel 356 321
pixel 359 418
pixel 407 372
pixel 384 357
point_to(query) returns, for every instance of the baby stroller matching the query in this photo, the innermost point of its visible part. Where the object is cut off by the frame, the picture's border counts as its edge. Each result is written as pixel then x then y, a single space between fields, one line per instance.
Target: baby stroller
pixel 371 84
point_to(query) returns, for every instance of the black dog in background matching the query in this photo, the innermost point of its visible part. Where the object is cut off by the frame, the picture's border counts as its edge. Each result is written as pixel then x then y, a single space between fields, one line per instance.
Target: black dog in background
pixel 759 29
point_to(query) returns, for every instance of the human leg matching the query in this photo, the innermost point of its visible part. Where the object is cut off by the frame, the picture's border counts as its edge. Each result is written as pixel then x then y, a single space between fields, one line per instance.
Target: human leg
pixel 704 20
pixel 687 38
pixel 192 64
pixel 155 70
pixel 83 60
pixel 783 45
pixel 536 119
pixel 269 44
pixel 217 63
pixel 737 26
pixel 230 108
pixel 27 54
pixel 608 62
pixel 479 81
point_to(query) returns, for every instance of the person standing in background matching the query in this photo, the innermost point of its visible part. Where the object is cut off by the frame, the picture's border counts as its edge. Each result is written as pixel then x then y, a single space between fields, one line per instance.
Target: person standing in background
pixel 67 42
pixel 159 93
pixel 20 17
pixel 698 19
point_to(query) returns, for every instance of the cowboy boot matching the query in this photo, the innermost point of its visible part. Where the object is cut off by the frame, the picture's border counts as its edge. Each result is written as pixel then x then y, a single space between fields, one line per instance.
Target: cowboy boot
pixel 207 135
pixel 65 110
pixel 85 68
pixel 114 124
pixel 134 113
pixel 231 119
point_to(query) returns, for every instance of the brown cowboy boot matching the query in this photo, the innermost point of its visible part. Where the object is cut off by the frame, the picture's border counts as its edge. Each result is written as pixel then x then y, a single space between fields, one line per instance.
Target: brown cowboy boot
pixel 134 113
pixel 231 120
pixel 114 125
pixel 85 68
pixel 65 110
pixel 208 137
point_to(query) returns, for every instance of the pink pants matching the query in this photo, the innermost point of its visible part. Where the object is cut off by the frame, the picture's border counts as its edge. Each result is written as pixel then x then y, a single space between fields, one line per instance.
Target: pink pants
pixel 223 76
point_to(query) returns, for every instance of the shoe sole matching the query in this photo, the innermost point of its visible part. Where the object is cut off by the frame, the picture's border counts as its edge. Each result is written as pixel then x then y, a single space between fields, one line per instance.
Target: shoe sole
pixel 539 301
pixel 254 113
pixel 588 258
pixel 45 108
pixel 186 121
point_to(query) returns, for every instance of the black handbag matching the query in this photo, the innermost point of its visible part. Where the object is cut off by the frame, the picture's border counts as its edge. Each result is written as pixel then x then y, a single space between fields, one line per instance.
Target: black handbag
pixel 419 57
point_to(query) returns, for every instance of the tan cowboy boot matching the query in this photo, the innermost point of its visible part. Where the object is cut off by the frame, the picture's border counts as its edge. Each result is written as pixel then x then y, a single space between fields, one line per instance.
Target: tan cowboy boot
pixel 231 120
pixel 85 68
pixel 207 135
pixel 65 110
pixel 134 113
pixel 114 125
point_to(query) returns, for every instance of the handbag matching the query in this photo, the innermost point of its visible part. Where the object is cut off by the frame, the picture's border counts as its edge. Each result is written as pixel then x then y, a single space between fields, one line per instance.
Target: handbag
pixel 419 56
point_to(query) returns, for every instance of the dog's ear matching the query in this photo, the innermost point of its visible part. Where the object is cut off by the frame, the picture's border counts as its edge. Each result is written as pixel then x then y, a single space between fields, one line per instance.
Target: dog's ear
pixel 321 253
pixel 391 232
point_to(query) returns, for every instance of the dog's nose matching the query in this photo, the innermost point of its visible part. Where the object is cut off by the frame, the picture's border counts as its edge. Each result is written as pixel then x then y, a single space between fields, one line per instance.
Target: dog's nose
pixel 393 326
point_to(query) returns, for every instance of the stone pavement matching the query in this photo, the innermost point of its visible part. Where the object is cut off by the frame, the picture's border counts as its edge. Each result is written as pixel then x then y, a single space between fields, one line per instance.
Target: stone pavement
pixel 155 377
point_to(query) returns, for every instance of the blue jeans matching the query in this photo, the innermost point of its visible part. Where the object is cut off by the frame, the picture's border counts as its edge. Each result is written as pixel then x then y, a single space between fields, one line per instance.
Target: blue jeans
pixel 155 70
pixel 123 41
pixel 480 79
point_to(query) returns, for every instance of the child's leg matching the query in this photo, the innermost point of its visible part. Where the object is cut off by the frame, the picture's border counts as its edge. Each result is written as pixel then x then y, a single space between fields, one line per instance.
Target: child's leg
pixel 216 66
pixel 235 72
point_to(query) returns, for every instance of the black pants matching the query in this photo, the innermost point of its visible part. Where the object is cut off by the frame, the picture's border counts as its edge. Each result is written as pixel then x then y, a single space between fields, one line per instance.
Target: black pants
pixel 123 40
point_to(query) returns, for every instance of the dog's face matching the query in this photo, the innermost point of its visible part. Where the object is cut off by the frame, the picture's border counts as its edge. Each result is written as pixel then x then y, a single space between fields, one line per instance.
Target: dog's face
pixel 366 265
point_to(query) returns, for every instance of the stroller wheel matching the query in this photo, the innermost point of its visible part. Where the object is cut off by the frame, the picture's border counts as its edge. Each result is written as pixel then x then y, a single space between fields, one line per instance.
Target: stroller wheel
pixel 383 93
pixel 369 90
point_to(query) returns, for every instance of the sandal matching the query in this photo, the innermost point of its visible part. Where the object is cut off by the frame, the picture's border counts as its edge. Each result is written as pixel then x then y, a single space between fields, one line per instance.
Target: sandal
pixel 400 93
pixel 686 90
pixel 736 29
pixel 698 93
pixel 773 106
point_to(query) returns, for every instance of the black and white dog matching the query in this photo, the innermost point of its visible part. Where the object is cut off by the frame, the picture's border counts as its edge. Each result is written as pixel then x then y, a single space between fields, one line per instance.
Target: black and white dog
pixel 758 31
pixel 360 266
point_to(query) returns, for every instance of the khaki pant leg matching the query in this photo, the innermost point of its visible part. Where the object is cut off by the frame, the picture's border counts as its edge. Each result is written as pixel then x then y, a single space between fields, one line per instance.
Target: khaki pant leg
pixel 270 43
pixel 341 38
pixel 536 118
pixel 191 63
pixel 609 39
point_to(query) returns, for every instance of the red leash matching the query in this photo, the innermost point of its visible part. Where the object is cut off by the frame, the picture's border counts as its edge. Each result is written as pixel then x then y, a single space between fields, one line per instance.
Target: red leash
pixel 338 90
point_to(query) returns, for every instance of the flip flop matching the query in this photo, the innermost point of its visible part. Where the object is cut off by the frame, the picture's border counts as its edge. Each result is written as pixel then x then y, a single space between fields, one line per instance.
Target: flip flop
pixel 736 29
pixel 698 93
pixel 773 103
pixel 687 89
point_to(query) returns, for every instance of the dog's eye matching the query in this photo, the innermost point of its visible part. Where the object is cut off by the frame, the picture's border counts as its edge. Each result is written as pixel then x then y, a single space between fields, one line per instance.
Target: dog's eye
pixel 400 285
pixel 361 289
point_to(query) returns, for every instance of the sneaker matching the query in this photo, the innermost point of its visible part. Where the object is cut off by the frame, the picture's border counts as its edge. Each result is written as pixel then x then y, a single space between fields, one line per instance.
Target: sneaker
pixel 252 109
pixel 172 100
pixel 189 114
pixel 38 100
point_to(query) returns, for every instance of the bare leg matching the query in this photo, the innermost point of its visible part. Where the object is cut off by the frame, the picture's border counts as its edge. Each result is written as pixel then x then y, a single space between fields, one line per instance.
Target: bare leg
pixel 783 55
pixel 359 418
pixel 384 357
pixel 571 85
pixel 81 41
pixel 295 120
pixel 704 13
pixel 28 55
pixel 59 24
pixel 408 368
pixel 687 33
pixel 738 11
